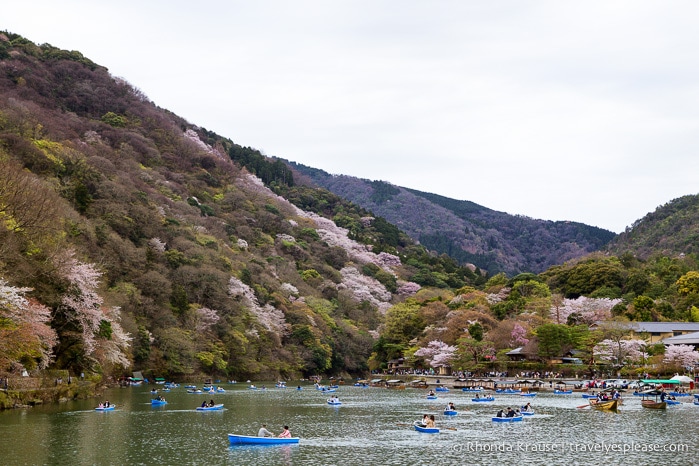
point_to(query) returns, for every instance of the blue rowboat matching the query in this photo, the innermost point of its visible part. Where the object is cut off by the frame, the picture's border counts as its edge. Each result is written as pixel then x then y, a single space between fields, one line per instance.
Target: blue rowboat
pixel 471 390
pixel 334 403
pixel 220 390
pixel 210 408
pixel 676 394
pixel 109 408
pixel 328 390
pixel 672 402
pixel 528 394
pixel 527 413
pixel 508 419
pixel 696 402
pixel 441 389
pixel 426 430
pixel 190 386
pixel 508 391
pixel 450 412
pixel 194 391
pixel 587 395
pixel 563 392
pixel 431 397
pixel 158 402
pixel 251 440
pixel 482 400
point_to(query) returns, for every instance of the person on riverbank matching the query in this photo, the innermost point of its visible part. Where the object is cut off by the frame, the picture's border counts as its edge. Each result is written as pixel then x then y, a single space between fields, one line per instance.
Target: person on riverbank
pixel 263 432
pixel 285 433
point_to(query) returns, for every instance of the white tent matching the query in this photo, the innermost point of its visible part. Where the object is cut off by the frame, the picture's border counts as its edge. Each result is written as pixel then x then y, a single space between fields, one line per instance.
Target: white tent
pixel 682 378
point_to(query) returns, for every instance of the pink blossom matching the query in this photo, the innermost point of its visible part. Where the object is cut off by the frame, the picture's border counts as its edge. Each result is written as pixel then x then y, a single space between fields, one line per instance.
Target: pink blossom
pixel 437 353
pixel 682 355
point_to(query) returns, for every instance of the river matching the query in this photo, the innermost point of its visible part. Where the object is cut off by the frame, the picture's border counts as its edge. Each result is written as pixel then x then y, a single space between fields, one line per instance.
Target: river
pixel 372 426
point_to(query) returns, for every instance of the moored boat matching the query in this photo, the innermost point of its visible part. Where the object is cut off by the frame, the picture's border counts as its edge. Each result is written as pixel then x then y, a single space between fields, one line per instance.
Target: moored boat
pixel 651 404
pixel 235 439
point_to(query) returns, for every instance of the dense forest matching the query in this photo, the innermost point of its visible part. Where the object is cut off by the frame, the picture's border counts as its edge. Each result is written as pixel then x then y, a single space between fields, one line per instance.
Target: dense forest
pixel 133 239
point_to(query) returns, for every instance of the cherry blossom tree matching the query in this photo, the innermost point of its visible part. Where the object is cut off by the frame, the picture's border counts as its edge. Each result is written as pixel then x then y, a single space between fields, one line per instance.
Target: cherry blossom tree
pixel 437 353
pixel 25 333
pixel 620 352
pixel 102 335
pixel 517 337
pixel 583 310
pixel 270 317
pixel 681 355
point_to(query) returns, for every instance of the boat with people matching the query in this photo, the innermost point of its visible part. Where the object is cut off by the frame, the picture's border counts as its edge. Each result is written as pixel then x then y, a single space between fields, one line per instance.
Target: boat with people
pixel 526 412
pixel 194 391
pixel 334 402
pixel 508 391
pixel 531 395
pixel 483 399
pixel 280 385
pixel 472 389
pixel 562 392
pixel 673 402
pixel 426 430
pixel 105 408
pixel 589 395
pixel 431 397
pixel 157 402
pixel 508 419
pixel 236 439
pixel 217 407
pixel 441 389
pixel 450 412
pixel 604 405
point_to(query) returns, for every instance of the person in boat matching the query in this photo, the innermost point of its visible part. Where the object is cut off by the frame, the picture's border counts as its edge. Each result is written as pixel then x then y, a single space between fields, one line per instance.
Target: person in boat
pixel 106 404
pixel 527 407
pixel 285 433
pixel 425 420
pixel 500 413
pixel 430 424
pixel 203 404
pixel 212 404
pixel 431 393
pixel 100 406
pixel 662 396
pixel 263 432
pixel 510 412
pixel 451 407
pixel 478 395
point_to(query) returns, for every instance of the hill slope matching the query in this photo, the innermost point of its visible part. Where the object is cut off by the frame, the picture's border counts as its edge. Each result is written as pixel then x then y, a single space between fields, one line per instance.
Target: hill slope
pixel 492 240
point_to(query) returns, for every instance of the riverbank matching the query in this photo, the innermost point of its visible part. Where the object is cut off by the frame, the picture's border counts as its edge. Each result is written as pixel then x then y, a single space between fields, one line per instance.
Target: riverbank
pixel 31 391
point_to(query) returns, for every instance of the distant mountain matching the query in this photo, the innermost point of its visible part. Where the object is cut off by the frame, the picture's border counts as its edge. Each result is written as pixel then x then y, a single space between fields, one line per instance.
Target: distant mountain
pixel 670 230
pixel 494 241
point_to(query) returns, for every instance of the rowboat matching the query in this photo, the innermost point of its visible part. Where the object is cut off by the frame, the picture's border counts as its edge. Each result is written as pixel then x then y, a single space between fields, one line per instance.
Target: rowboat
pixel 653 404
pixel 527 413
pixel 528 394
pixel 158 402
pixel 672 402
pixel 483 399
pixel 563 392
pixel 471 390
pixel 334 402
pixel 194 391
pixel 508 391
pixel 588 395
pixel 508 419
pixel 696 402
pixel 108 408
pixel 609 405
pixel 441 389
pixel 220 390
pixel 431 397
pixel 251 440
pixel 450 412
pixel 426 430
pixel 210 408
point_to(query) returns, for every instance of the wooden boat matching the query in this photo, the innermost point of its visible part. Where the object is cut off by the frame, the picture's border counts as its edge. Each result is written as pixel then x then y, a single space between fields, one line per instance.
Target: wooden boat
pixel 108 408
pixel 609 405
pixel 450 412
pixel 508 419
pixel 651 404
pixel 210 408
pixel 235 439
pixel 483 399
pixel 426 430
pixel 155 402
pixel 562 392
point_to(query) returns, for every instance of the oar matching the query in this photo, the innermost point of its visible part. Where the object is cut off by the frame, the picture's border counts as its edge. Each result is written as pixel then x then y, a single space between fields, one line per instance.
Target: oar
pixel 583 406
pixel 448 428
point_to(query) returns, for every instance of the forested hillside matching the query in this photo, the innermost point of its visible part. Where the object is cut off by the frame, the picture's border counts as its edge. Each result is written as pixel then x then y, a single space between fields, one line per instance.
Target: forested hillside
pixel 470 233
pixel 134 239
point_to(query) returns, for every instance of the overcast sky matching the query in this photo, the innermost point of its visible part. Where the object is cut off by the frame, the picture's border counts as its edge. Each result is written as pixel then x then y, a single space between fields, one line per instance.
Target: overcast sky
pixel 559 110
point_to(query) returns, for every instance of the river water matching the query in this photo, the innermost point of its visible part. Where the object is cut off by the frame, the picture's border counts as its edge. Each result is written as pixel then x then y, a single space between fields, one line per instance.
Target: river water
pixel 372 426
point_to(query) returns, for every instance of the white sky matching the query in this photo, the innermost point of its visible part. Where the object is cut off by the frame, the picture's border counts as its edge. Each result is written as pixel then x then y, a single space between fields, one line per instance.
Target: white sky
pixel 559 110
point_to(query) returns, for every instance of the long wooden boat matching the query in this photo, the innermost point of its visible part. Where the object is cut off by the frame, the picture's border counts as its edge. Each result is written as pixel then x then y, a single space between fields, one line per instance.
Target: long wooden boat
pixel 210 408
pixel 508 419
pixel 653 404
pixel 235 439
pixel 426 430
pixel 609 405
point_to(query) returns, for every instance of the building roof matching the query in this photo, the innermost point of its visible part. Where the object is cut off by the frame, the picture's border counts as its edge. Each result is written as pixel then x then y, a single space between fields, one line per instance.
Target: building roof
pixel 516 352
pixel 687 339
pixel 659 327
